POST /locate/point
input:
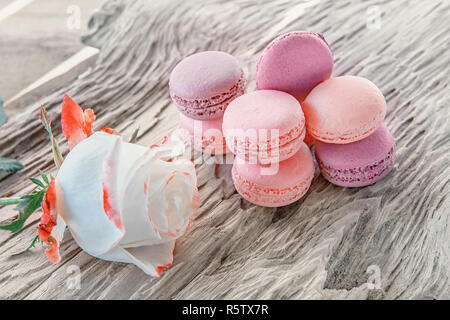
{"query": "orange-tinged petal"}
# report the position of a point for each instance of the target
(76, 124)
(89, 118)
(160, 269)
(72, 121)
(48, 222)
(52, 253)
(111, 203)
(107, 130)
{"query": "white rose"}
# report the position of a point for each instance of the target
(125, 202)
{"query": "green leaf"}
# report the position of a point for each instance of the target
(37, 182)
(27, 205)
(10, 165)
(134, 136)
(45, 178)
(3, 116)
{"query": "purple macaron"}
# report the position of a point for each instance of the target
(295, 63)
(360, 163)
(203, 84)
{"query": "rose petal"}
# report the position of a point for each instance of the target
(95, 193)
(111, 201)
(140, 228)
(76, 124)
(48, 222)
(171, 147)
(89, 118)
(81, 204)
(151, 226)
(175, 187)
(151, 259)
(59, 229)
(107, 130)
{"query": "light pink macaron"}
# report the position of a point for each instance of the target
(278, 184)
(264, 126)
(295, 63)
(205, 136)
(344, 109)
(203, 84)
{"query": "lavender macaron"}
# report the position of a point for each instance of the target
(359, 163)
(203, 84)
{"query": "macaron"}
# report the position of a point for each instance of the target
(357, 164)
(309, 140)
(278, 184)
(203, 84)
(295, 63)
(344, 110)
(264, 126)
(205, 136)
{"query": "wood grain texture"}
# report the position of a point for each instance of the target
(319, 247)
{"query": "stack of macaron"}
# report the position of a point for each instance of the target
(297, 105)
(201, 86)
(265, 129)
(345, 116)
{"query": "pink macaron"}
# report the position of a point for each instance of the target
(309, 140)
(205, 136)
(294, 63)
(344, 110)
(202, 85)
(264, 126)
(278, 184)
(360, 163)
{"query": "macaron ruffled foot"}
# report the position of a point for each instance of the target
(360, 163)
(277, 184)
(203, 84)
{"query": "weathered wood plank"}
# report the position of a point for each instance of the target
(319, 247)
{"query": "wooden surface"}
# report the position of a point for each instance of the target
(324, 246)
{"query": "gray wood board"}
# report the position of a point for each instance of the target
(328, 244)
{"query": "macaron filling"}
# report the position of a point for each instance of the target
(369, 173)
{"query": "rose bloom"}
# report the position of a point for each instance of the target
(121, 201)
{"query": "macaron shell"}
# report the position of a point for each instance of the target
(359, 163)
(264, 109)
(344, 110)
(309, 140)
(249, 121)
(276, 185)
(202, 85)
(295, 63)
(204, 75)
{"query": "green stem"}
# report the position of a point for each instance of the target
(7, 201)
(33, 243)
(55, 149)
